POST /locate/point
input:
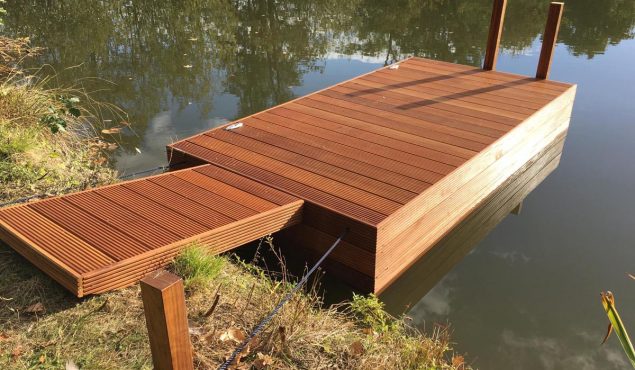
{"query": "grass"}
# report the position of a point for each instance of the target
(33, 158)
(197, 267)
(43, 327)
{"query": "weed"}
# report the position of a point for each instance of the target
(197, 266)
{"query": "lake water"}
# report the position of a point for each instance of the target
(526, 297)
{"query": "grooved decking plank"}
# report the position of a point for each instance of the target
(324, 169)
(335, 159)
(276, 125)
(425, 97)
(325, 199)
(446, 153)
(363, 198)
(93, 231)
(74, 252)
(437, 157)
(414, 124)
(428, 81)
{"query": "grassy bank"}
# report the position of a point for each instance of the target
(43, 327)
(48, 140)
(48, 146)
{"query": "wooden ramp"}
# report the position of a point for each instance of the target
(400, 156)
(110, 237)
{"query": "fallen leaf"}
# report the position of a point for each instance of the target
(458, 361)
(187, 66)
(234, 334)
(3, 337)
(112, 146)
(70, 365)
(42, 359)
(193, 39)
(17, 352)
(35, 308)
(394, 66)
(262, 361)
(111, 131)
(356, 348)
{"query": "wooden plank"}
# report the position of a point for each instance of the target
(342, 175)
(497, 94)
(404, 251)
(425, 273)
(549, 39)
(439, 220)
(541, 123)
(308, 178)
(166, 319)
(494, 35)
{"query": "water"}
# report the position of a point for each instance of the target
(526, 297)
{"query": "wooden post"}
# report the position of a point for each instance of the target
(166, 319)
(549, 39)
(494, 37)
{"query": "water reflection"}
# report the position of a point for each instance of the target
(251, 54)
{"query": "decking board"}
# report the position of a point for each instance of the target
(110, 237)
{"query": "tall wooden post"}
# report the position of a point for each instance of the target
(494, 37)
(549, 39)
(166, 319)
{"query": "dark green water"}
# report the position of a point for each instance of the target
(527, 297)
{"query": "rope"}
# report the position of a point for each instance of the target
(282, 302)
(162, 168)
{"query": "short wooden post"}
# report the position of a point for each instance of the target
(166, 319)
(494, 37)
(549, 39)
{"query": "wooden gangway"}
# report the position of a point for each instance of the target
(106, 238)
(400, 156)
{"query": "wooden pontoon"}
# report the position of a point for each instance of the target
(401, 157)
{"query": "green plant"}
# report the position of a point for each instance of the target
(197, 266)
(3, 11)
(616, 324)
(56, 119)
(369, 311)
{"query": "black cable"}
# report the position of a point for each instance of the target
(282, 302)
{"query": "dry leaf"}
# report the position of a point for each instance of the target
(3, 337)
(70, 365)
(188, 66)
(111, 146)
(35, 308)
(394, 66)
(458, 361)
(42, 359)
(17, 352)
(356, 348)
(262, 361)
(111, 131)
(234, 334)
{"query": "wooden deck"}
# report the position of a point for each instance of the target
(101, 239)
(400, 155)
